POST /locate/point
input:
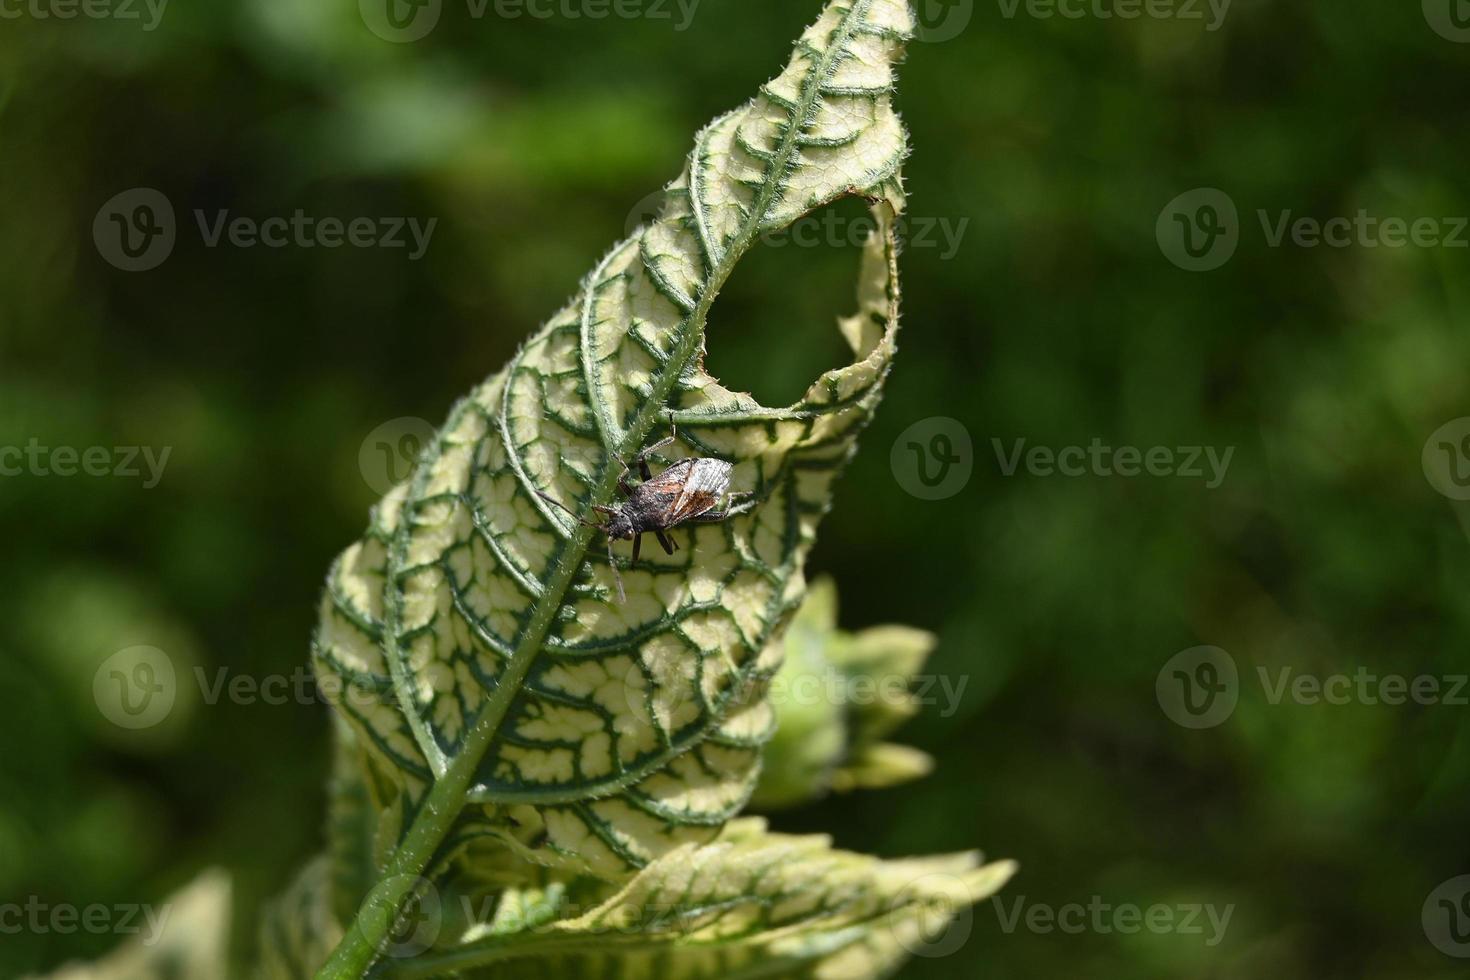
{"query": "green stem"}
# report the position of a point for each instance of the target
(445, 800)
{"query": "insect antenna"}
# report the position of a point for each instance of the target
(570, 513)
(611, 561)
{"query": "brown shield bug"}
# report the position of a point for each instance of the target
(688, 491)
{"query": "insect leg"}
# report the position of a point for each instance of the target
(669, 544)
(647, 451)
(637, 545)
(612, 563)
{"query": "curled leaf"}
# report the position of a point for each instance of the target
(475, 631)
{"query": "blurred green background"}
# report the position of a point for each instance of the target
(1054, 144)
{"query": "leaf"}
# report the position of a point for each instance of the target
(298, 930)
(751, 904)
(187, 936)
(352, 826)
(837, 695)
(484, 658)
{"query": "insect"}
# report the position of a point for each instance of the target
(688, 491)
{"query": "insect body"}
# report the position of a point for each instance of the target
(688, 491)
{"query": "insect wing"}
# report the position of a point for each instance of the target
(703, 485)
(656, 498)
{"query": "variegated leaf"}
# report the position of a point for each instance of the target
(836, 696)
(751, 904)
(476, 628)
(298, 929)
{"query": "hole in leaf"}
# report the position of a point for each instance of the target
(773, 329)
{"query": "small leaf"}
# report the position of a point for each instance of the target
(352, 826)
(187, 936)
(298, 930)
(771, 904)
(485, 656)
(837, 695)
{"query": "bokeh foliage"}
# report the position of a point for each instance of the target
(1058, 320)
